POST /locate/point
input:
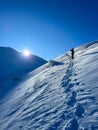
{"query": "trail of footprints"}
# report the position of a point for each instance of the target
(69, 82)
(75, 109)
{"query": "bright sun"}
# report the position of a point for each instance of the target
(26, 53)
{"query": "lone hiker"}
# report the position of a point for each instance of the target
(72, 53)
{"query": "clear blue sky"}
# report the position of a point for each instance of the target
(48, 28)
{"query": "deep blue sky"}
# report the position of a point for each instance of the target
(48, 28)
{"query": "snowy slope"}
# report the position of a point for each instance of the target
(63, 96)
(13, 65)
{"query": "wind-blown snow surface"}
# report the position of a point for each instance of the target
(59, 97)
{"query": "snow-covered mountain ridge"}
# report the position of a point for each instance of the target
(14, 65)
(12, 60)
(59, 96)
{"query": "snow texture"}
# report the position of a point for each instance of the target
(58, 96)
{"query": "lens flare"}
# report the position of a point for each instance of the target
(26, 53)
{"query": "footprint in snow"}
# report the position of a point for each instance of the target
(79, 110)
(72, 99)
(68, 87)
(72, 125)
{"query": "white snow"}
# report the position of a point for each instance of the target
(62, 96)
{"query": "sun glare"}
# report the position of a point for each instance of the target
(26, 53)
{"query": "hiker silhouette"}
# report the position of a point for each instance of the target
(72, 53)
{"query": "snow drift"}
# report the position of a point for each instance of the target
(58, 96)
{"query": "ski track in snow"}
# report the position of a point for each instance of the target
(60, 97)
